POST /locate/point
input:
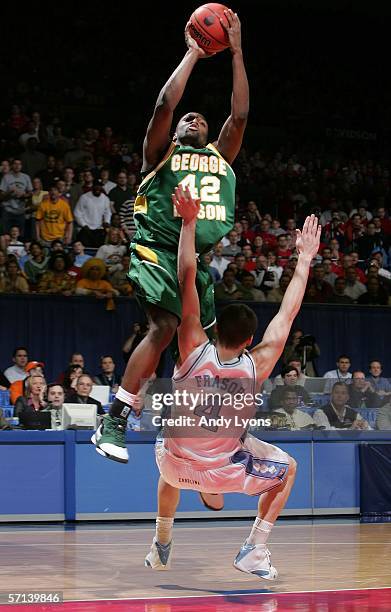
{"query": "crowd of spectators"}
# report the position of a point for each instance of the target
(67, 219)
(344, 399)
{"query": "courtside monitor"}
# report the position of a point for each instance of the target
(83, 416)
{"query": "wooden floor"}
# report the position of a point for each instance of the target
(107, 563)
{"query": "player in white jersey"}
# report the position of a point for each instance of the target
(197, 453)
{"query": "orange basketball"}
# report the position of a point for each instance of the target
(206, 28)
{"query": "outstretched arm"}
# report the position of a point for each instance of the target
(231, 135)
(158, 133)
(270, 348)
(190, 331)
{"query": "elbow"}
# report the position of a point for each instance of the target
(240, 117)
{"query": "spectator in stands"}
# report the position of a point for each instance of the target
(375, 294)
(265, 279)
(339, 296)
(92, 282)
(292, 363)
(341, 374)
(14, 280)
(57, 280)
(228, 289)
(290, 377)
(16, 388)
(112, 251)
(381, 385)
(33, 161)
(369, 241)
(295, 418)
(15, 191)
(12, 244)
(17, 371)
(73, 191)
(276, 294)
(250, 291)
(321, 290)
(354, 289)
(50, 174)
(338, 414)
(121, 193)
(361, 392)
(232, 248)
(108, 375)
(54, 219)
(283, 251)
(37, 263)
(218, 261)
(82, 393)
(32, 398)
(55, 398)
(92, 214)
(70, 378)
(302, 348)
(273, 265)
(107, 184)
(79, 257)
(120, 280)
(329, 276)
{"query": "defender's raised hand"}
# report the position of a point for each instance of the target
(187, 207)
(307, 240)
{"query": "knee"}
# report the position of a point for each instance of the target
(162, 330)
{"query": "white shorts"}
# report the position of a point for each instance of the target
(256, 468)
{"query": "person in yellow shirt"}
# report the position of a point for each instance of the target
(54, 219)
(93, 283)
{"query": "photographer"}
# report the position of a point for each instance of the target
(304, 349)
(265, 279)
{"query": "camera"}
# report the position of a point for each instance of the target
(306, 340)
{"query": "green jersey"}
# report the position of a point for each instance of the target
(208, 176)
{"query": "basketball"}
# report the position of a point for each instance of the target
(206, 28)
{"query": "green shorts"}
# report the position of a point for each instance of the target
(153, 274)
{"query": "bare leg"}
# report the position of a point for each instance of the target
(144, 360)
(168, 499)
(270, 504)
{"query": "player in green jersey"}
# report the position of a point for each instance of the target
(204, 168)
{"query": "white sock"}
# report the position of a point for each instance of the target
(126, 397)
(260, 532)
(164, 529)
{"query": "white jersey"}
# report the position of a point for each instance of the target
(216, 402)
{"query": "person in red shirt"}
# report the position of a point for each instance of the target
(283, 251)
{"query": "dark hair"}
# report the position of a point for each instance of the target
(285, 390)
(19, 348)
(54, 384)
(235, 324)
(340, 384)
(288, 369)
(343, 356)
(67, 375)
(58, 255)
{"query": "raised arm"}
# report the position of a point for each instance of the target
(231, 135)
(270, 348)
(158, 133)
(190, 331)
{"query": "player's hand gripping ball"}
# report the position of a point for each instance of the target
(206, 28)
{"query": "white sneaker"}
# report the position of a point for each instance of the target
(255, 559)
(159, 557)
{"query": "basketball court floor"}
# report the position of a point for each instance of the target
(334, 565)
